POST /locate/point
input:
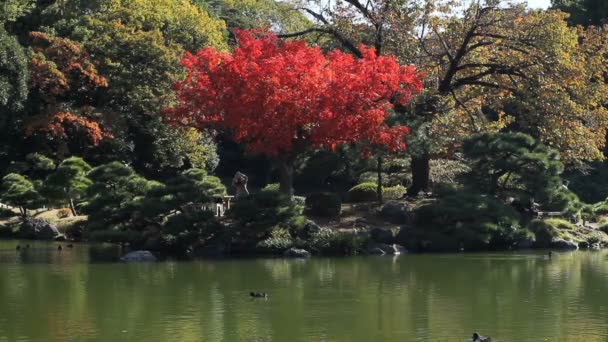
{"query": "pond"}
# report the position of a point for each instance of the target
(76, 295)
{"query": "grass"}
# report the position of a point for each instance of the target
(49, 215)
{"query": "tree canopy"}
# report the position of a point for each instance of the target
(282, 97)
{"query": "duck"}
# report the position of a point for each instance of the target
(258, 294)
(59, 248)
(18, 247)
(27, 246)
(479, 338)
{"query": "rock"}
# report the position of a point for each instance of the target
(583, 245)
(382, 235)
(310, 229)
(563, 244)
(297, 253)
(138, 256)
(525, 243)
(395, 212)
(390, 249)
(39, 229)
(60, 237)
(595, 246)
(361, 223)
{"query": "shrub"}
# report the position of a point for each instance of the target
(279, 241)
(565, 201)
(512, 164)
(272, 187)
(7, 213)
(330, 242)
(325, 204)
(600, 209)
(364, 192)
(299, 201)
(63, 213)
(257, 213)
(394, 192)
(471, 220)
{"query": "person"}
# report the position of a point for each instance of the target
(240, 183)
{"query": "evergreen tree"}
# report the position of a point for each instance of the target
(19, 191)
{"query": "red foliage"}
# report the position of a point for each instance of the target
(58, 125)
(277, 96)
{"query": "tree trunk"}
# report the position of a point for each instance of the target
(379, 180)
(73, 207)
(420, 174)
(286, 175)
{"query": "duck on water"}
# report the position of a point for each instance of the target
(258, 294)
(479, 338)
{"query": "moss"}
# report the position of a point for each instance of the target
(394, 192)
(547, 230)
(364, 192)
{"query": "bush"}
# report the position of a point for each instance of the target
(7, 213)
(394, 192)
(364, 192)
(258, 213)
(279, 241)
(324, 204)
(330, 242)
(272, 187)
(565, 201)
(600, 209)
(471, 220)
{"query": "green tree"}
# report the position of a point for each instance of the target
(69, 182)
(278, 16)
(583, 12)
(19, 191)
(114, 191)
(480, 63)
(191, 187)
(134, 47)
(13, 91)
(513, 164)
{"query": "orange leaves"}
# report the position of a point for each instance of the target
(57, 63)
(59, 124)
(277, 96)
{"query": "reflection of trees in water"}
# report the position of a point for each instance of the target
(509, 296)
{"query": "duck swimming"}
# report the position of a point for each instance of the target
(479, 338)
(258, 294)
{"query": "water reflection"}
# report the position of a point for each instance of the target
(68, 296)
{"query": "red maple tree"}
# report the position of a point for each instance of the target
(282, 97)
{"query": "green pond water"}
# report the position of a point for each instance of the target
(80, 295)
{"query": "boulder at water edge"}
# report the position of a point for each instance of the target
(563, 244)
(395, 212)
(33, 228)
(138, 256)
(297, 253)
